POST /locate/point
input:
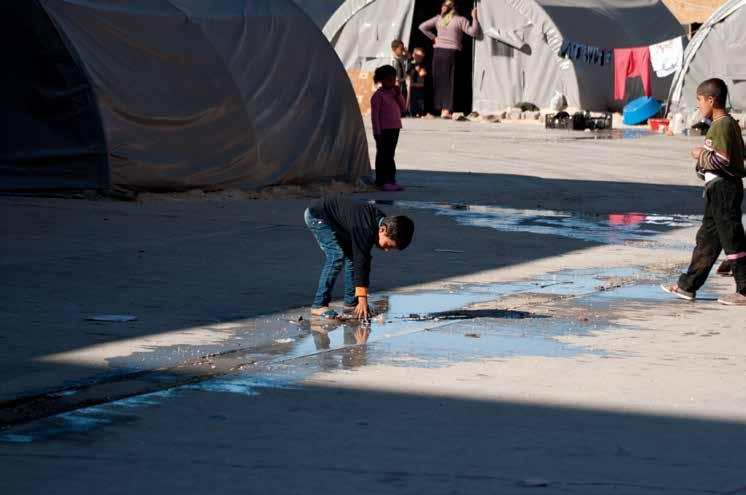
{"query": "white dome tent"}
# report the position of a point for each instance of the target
(718, 49)
(516, 59)
(168, 95)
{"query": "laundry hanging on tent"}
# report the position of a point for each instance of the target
(630, 62)
(585, 53)
(667, 56)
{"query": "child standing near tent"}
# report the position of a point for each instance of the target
(346, 232)
(386, 107)
(416, 74)
(720, 163)
(399, 62)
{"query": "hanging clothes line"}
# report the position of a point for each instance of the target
(585, 53)
(665, 56)
(630, 62)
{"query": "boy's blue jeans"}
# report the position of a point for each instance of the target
(335, 262)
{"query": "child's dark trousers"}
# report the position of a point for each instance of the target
(385, 151)
(721, 230)
(416, 102)
(335, 262)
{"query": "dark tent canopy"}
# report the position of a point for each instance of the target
(173, 95)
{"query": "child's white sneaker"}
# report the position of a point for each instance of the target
(678, 292)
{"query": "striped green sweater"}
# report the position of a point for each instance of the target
(724, 149)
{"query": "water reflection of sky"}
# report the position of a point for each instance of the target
(616, 228)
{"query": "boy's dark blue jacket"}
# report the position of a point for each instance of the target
(356, 228)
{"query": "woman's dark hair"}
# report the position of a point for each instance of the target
(399, 229)
(383, 72)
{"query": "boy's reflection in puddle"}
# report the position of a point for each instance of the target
(350, 353)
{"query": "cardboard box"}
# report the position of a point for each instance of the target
(362, 83)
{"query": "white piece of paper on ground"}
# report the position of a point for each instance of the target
(112, 318)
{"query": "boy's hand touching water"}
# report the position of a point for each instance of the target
(362, 312)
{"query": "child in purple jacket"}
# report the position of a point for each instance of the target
(386, 107)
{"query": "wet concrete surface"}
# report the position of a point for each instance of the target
(421, 329)
(431, 328)
(254, 419)
(257, 421)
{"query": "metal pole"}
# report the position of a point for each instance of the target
(475, 4)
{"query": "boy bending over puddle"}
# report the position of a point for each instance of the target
(346, 232)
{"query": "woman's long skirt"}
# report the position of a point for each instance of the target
(444, 74)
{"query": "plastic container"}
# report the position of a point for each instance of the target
(658, 125)
(678, 124)
(639, 110)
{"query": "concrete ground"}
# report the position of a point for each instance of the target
(563, 368)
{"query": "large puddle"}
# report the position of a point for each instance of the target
(430, 328)
(427, 329)
(617, 228)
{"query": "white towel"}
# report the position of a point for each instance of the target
(666, 56)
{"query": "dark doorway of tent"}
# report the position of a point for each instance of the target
(427, 9)
(56, 138)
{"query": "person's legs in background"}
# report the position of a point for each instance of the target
(382, 159)
(416, 102)
(392, 139)
(385, 164)
(444, 76)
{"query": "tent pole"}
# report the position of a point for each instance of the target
(475, 5)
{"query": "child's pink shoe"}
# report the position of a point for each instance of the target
(392, 187)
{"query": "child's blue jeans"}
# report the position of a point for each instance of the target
(334, 263)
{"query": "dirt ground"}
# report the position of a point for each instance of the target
(523, 343)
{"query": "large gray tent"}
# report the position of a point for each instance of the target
(718, 49)
(516, 59)
(173, 95)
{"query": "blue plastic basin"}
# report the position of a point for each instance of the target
(639, 110)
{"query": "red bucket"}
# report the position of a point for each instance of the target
(658, 125)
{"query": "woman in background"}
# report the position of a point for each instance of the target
(450, 28)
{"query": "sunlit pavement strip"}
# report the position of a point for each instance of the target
(402, 336)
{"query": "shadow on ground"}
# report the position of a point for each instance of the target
(182, 264)
(334, 440)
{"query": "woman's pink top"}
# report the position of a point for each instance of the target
(450, 36)
(386, 107)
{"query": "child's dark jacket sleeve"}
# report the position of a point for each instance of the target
(401, 102)
(362, 243)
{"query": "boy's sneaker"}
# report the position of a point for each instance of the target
(392, 187)
(678, 292)
(733, 300)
